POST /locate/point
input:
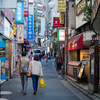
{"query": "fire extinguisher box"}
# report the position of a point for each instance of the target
(59, 63)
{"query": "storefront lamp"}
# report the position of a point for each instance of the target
(51, 4)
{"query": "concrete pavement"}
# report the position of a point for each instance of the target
(57, 88)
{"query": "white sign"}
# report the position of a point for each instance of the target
(1, 24)
(6, 28)
(61, 35)
(8, 4)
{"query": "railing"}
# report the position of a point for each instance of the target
(95, 9)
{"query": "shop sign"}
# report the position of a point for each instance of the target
(84, 62)
(6, 28)
(26, 7)
(19, 18)
(1, 24)
(56, 22)
(61, 35)
(61, 18)
(8, 4)
(30, 28)
(14, 26)
(61, 5)
(20, 35)
(11, 33)
(80, 6)
(0, 72)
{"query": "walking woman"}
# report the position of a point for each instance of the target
(46, 58)
(35, 68)
(24, 60)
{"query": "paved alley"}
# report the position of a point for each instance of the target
(56, 87)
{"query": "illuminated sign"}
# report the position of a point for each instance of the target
(61, 35)
(19, 18)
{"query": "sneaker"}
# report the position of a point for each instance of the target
(24, 93)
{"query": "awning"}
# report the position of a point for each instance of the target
(27, 42)
(75, 43)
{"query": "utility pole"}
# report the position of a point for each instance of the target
(66, 36)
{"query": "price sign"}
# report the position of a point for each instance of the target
(84, 62)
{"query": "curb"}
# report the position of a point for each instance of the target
(85, 92)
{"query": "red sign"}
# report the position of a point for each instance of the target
(59, 60)
(56, 22)
(25, 13)
(26, 8)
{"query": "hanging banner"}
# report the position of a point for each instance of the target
(30, 28)
(8, 4)
(61, 35)
(19, 16)
(26, 7)
(61, 5)
(20, 35)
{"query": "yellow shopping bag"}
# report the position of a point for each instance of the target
(42, 83)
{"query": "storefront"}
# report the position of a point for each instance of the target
(78, 52)
(4, 48)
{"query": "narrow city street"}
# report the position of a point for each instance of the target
(56, 87)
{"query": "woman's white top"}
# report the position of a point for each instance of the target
(36, 68)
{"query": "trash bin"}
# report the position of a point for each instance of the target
(59, 63)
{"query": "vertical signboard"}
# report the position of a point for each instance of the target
(6, 28)
(25, 7)
(19, 16)
(61, 5)
(61, 35)
(30, 28)
(20, 35)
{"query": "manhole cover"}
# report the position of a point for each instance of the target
(3, 99)
(6, 92)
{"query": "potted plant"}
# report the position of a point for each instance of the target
(55, 48)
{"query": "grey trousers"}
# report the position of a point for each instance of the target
(24, 80)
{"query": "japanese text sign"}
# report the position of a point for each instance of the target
(30, 28)
(26, 7)
(61, 5)
(20, 35)
(56, 22)
(19, 17)
(61, 35)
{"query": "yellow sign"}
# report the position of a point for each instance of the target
(14, 26)
(61, 5)
(61, 18)
(11, 34)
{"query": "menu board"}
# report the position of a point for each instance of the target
(75, 63)
(81, 71)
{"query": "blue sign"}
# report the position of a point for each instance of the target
(19, 13)
(30, 28)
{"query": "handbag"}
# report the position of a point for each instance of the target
(29, 73)
(42, 83)
(24, 68)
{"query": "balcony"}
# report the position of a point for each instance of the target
(96, 17)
